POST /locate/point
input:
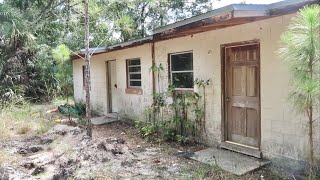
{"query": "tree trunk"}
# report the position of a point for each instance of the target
(311, 152)
(310, 116)
(87, 75)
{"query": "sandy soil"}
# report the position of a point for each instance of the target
(116, 151)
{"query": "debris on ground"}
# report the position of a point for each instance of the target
(76, 110)
(28, 165)
(183, 154)
(26, 150)
(46, 141)
(52, 111)
(38, 170)
(68, 120)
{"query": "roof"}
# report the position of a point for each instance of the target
(124, 44)
(240, 10)
(227, 16)
(99, 50)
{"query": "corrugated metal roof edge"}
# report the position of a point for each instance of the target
(232, 7)
(103, 49)
(99, 50)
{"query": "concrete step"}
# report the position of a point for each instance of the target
(112, 115)
(251, 151)
(103, 120)
(230, 161)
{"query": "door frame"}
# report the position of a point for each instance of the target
(243, 149)
(108, 84)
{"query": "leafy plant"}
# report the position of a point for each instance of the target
(182, 139)
(200, 109)
(169, 133)
(61, 54)
(148, 131)
(180, 126)
(149, 114)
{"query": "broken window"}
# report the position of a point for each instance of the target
(181, 70)
(134, 73)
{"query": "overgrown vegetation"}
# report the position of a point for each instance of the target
(27, 119)
(301, 51)
(182, 120)
(35, 34)
(33, 119)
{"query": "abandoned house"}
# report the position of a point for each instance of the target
(235, 48)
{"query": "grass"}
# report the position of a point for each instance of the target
(215, 172)
(45, 126)
(3, 157)
(97, 173)
(202, 172)
(6, 158)
(205, 171)
(27, 119)
(23, 128)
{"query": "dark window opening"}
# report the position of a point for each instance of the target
(181, 70)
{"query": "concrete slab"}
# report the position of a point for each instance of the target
(112, 115)
(103, 120)
(233, 162)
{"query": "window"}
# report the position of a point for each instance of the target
(181, 70)
(134, 73)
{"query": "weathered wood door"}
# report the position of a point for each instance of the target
(242, 94)
(112, 86)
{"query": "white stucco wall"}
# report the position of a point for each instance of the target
(283, 133)
(130, 105)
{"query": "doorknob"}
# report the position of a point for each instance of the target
(227, 99)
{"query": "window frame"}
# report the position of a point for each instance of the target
(187, 71)
(130, 73)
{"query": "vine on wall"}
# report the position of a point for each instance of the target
(181, 120)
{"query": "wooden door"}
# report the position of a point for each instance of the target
(242, 94)
(112, 86)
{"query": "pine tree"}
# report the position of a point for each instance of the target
(301, 51)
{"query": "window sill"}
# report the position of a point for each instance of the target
(180, 91)
(134, 91)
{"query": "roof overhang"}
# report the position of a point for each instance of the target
(100, 50)
(231, 15)
(227, 16)
(220, 14)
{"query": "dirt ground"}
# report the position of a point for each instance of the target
(116, 151)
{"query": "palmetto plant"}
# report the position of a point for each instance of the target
(16, 30)
(301, 51)
(26, 62)
(14, 38)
